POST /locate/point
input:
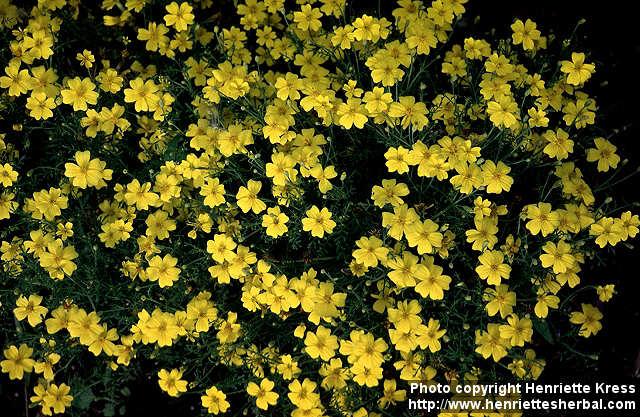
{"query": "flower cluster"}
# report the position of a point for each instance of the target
(293, 207)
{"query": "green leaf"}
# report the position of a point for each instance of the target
(84, 399)
(543, 328)
(109, 410)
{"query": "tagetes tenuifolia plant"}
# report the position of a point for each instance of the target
(292, 209)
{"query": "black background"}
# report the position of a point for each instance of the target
(610, 34)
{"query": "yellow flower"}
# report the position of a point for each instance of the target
(343, 36)
(16, 80)
(40, 105)
(46, 368)
(303, 395)
(281, 169)
(334, 374)
(263, 393)
(30, 309)
(557, 256)
(492, 267)
(541, 219)
(247, 197)
(318, 222)
(397, 160)
(321, 344)
(537, 117)
(83, 326)
(180, 16)
(87, 172)
(422, 38)
(413, 113)
(103, 341)
(364, 375)
(366, 28)
(275, 222)
(49, 203)
(544, 302)
(424, 236)
(499, 65)
(490, 343)
(629, 224)
(589, 320)
(288, 87)
(57, 397)
(608, 231)
(605, 292)
(159, 224)
(202, 312)
(429, 336)
(213, 192)
(288, 367)
(352, 113)
(39, 44)
(499, 300)
(323, 176)
(110, 80)
(79, 93)
(370, 251)
(155, 35)
(559, 146)
(58, 259)
(17, 361)
(7, 175)
(484, 235)
(390, 394)
(525, 34)
(406, 270)
(140, 195)
(604, 154)
(171, 382)
(161, 328)
(144, 95)
(308, 18)
(384, 70)
(163, 270)
(40, 390)
(86, 58)
(234, 139)
(44, 81)
(229, 331)
(503, 112)
(476, 48)
(221, 248)
(518, 331)
(578, 72)
(496, 178)
(215, 401)
(435, 283)
(391, 192)
(377, 100)
(399, 222)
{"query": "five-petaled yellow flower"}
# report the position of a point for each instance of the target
(318, 222)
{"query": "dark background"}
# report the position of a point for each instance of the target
(610, 34)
